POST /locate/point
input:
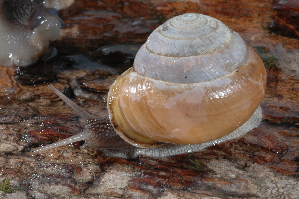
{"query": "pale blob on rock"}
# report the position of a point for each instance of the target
(58, 4)
(26, 28)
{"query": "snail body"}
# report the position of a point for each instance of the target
(99, 134)
(26, 28)
(194, 83)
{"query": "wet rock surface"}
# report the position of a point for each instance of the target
(262, 164)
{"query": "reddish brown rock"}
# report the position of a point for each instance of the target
(7, 82)
(286, 18)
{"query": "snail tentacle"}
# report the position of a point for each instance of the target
(84, 114)
(75, 138)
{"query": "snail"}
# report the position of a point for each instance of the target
(27, 26)
(193, 84)
(58, 4)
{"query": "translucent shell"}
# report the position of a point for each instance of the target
(187, 88)
(191, 48)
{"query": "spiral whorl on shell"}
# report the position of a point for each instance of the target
(193, 81)
(191, 48)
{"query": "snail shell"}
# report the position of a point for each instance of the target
(194, 83)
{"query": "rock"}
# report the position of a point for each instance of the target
(261, 164)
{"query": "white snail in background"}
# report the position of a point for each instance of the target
(58, 4)
(194, 83)
(26, 27)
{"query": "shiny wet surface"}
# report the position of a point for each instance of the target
(263, 163)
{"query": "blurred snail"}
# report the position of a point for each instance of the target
(194, 83)
(26, 28)
(58, 4)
